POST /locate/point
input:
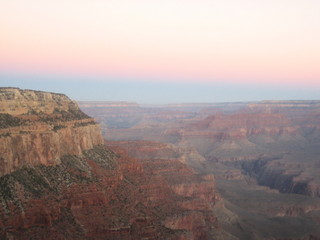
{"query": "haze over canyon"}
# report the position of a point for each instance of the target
(244, 170)
(169, 120)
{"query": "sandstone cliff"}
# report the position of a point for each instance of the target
(59, 181)
(108, 194)
(15, 101)
(40, 127)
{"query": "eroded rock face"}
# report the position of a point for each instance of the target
(59, 182)
(15, 101)
(40, 127)
(108, 194)
(185, 200)
(245, 145)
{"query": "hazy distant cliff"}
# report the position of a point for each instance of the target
(40, 127)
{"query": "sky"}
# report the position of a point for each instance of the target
(152, 51)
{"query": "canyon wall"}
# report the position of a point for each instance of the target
(264, 156)
(60, 180)
(39, 128)
(107, 193)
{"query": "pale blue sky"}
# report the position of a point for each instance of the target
(83, 88)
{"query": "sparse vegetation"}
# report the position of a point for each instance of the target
(39, 180)
(5, 135)
(7, 120)
(71, 114)
(58, 127)
(105, 158)
(24, 132)
(83, 124)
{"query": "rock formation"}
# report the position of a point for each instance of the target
(59, 180)
(200, 180)
(264, 156)
(40, 127)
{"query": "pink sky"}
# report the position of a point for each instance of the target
(232, 40)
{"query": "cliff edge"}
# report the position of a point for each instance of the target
(40, 127)
(60, 180)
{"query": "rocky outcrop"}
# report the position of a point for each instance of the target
(40, 127)
(59, 181)
(15, 101)
(108, 194)
(41, 201)
(185, 199)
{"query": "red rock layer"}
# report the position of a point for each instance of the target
(184, 199)
(108, 195)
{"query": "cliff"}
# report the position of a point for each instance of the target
(107, 193)
(182, 199)
(59, 180)
(40, 127)
(17, 102)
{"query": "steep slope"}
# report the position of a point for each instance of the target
(39, 128)
(106, 194)
(60, 181)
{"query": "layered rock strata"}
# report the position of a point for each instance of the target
(108, 194)
(184, 200)
(59, 182)
(39, 128)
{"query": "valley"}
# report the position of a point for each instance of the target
(264, 156)
(118, 170)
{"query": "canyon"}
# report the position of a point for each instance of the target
(264, 156)
(120, 170)
(61, 180)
